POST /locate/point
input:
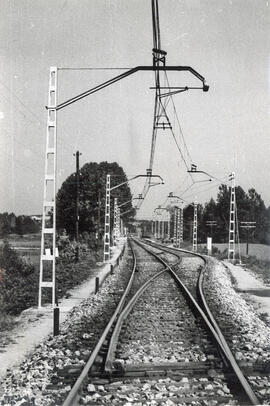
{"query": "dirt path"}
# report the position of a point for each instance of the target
(36, 324)
(257, 291)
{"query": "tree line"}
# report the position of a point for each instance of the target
(11, 224)
(250, 207)
(92, 186)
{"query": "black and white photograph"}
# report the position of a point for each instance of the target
(135, 202)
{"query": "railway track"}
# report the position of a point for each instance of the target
(160, 345)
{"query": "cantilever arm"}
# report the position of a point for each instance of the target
(135, 177)
(128, 73)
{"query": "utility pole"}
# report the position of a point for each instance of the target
(231, 248)
(77, 155)
(99, 204)
(247, 225)
(211, 224)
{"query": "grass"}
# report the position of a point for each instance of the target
(7, 324)
(27, 241)
(27, 246)
(261, 251)
(259, 267)
(19, 294)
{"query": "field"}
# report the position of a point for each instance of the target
(260, 251)
(27, 246)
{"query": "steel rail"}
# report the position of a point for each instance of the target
(194, 303)
(113, 342)
(114, 338)
(72, 398)
(217, 332)
(252, 397)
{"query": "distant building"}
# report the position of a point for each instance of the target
(38, 217)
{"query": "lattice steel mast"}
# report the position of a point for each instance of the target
(231, 247)
(195, 227)
(48, 231)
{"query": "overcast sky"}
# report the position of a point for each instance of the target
(226, 129)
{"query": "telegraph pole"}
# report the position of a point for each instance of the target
(211, 224)
(77, 155)
(247, 225)
(99, 204)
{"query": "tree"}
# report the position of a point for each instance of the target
(92, 188)
(7, 223)
(250, 207)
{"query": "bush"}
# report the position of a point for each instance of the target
(258, 266)
(19, 282)
(68, 249)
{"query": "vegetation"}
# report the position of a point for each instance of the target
(18, 286)
(91, 198)
(9, 224)
(19, 278)
(250, 207)
(259, 267)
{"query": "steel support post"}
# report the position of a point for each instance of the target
(107, 221)
(115, 222)
(118, 223)
(48, 231)
(175, 227)
(195, 226)
(231, 246)
(169, 226)
(181, 225)
(178, 227)
(162, 229)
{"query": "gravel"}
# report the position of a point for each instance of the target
(162, 328)
(163, 392)
(45, 378)
(247, 334)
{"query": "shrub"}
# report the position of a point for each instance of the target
(68, 249)
(19, 283)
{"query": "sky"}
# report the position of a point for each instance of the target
(224, 130)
